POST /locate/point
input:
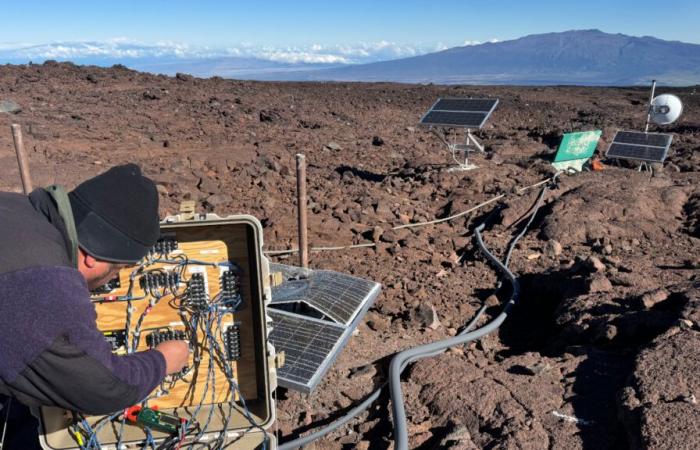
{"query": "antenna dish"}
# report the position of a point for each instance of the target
(665, 109)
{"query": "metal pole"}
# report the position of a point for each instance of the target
(653, 88)
(22, 160)
(301, 211)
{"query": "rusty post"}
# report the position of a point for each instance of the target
(301, 213)
(22, 160)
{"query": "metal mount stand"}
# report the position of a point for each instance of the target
(651, 99)
(647, 168)
(470, 143)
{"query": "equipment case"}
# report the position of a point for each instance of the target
(238, 239)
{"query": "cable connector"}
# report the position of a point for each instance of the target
(154, 419)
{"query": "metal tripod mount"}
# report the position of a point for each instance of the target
(470, 143)
(643, 166)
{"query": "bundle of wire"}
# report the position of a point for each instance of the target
(207, 320)
(401, 360)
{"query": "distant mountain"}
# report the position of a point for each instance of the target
(586, 57)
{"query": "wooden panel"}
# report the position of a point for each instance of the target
(235, 239)
(165, 314)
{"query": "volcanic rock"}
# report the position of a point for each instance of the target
(219, 199)
(427, 316)
(377, 141)
(10, 107)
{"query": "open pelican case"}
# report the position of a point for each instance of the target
(239, 240)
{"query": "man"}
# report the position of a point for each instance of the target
(54, 249)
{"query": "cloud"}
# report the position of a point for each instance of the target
(122, 48)
(468, 42)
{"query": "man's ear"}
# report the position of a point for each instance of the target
(89, 261)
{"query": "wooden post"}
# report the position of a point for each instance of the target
(301, 211)
(22, 160)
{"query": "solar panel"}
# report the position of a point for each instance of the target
(651, 147)
(335, 295)
(454, 119)
(465, 104)
(624, 151)
(639, 138)
(307, 344)
(314, 313)
(460, 112)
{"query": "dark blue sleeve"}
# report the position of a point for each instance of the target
(51, 352)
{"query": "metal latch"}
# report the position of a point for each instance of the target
(187, 210)
(276, 279)
(279, 359)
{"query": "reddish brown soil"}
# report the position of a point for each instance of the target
(607, 330)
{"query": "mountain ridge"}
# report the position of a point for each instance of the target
(570, 57)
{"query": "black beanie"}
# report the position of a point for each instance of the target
(116, 214)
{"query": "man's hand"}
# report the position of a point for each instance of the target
(176, 354)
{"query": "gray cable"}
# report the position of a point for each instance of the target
(403, 359)
(538, 203)
(400, 360)
(397, 405)
(424, 352)
(356, 411)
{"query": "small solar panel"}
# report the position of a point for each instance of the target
(307, 345)
(314, 313)
(624, 151)
(454, 119)
(651, 147)
(465, 104)
(459, 112)
(647, 139)
(337, 296)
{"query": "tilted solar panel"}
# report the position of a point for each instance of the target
(459, 112)
(639, 138)
(634, 145)
(307, 345)
(314, 313)
(336, 295)
(465, 104)
(455, 119)
(641, 153)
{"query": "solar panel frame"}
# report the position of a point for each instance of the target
(453, 119)
(336, 295)
(310, 347)
(636, 145)
(636, 152)
(484, 106)
(645, 139)
(289, 374)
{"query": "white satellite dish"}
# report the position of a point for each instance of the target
(665, 109)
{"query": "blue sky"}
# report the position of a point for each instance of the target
(399, 28)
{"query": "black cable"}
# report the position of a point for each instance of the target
(435, 348)
(7, 418)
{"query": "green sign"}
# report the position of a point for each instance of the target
(579, 145)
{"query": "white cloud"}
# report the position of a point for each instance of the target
(468, 42)
(123, 48)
